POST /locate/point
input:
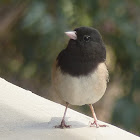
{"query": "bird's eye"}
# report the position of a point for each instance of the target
(86, 38)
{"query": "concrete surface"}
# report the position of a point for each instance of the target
(26, 116)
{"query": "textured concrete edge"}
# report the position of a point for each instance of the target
(3, 82)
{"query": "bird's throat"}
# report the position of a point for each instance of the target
(77, 65)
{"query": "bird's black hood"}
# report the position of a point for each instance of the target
(81, 57)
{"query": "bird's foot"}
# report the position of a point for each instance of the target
(62, 125)
(95, 123)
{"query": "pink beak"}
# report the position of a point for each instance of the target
(71, 34)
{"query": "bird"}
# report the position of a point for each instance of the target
(79, 73)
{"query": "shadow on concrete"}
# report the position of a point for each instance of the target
(52, 123)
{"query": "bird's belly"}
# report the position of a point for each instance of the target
(83, 89)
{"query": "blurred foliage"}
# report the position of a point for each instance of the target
(32, 34)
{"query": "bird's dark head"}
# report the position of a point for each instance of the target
(86, 40)
(83, 53)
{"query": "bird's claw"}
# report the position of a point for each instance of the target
(95, 123)
(62, 125)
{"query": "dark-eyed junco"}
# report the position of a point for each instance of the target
(79, 74)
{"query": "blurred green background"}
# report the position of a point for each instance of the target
(32, 35)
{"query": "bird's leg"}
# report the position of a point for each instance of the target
(63, 125)
(95, 118)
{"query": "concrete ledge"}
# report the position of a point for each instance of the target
(26, 116)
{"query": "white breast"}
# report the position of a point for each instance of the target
(81, 90)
